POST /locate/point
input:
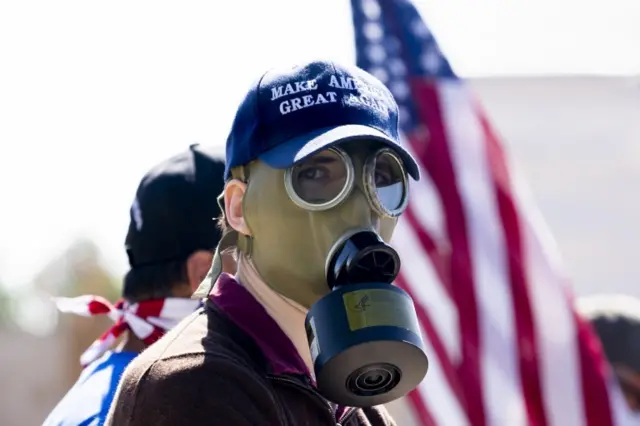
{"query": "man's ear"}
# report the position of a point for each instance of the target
(233, 196)
(198, 266)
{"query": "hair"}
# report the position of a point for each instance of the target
(610, 306)
(615, 319)
(225, 228)
(154, 281)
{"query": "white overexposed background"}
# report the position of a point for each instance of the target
(93, 93)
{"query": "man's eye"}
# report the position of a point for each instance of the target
(312, 173)
(383, 179)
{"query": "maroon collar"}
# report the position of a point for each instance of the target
(250, 316)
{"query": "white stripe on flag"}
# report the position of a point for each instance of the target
(621, 413)
(427, 289)
(430, 213)
(500, 375)
(556, 334)
(443, 404)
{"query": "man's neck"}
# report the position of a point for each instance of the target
(132, 344)
(286, 313)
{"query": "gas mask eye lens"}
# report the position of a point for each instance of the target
(387, 183)
(321, 181)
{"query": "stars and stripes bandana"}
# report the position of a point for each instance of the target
(148, 320)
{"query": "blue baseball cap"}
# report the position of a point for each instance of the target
(291, 113)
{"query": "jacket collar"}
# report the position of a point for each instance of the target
(249, 315)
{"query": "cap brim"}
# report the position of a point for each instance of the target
(297, 149)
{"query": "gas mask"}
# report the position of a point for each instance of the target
(319, 236)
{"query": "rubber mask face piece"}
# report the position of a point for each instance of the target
(290, 244)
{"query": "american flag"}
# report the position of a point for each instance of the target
(505, 344)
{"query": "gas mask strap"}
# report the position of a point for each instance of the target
(243, 242)
(229, 239)
(205, 287)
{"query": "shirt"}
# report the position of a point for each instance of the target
(87, 402)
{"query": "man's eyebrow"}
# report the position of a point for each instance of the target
(322, 160)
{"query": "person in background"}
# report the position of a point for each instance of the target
(616, 321)
(170, 243)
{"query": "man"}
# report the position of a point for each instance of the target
(313, 153)
(172, 235)
(616, 321)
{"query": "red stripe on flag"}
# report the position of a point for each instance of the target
(448, 369)
(436, 159)
(525, 328)
(439, 260)
(422, 412)
(593, 368)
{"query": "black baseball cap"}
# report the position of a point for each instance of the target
(293, 112)
(616, 321)
(175, 210)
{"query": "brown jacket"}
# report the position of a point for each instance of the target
(228, 364)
